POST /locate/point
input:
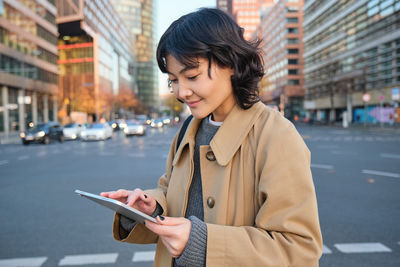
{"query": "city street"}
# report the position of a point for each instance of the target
(44, 223)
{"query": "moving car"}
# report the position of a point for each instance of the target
(158, 123)
(134, 128)
(72, 131)
(97, 131)
(43, 133)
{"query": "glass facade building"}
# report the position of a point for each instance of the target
(96, 59)
(352, 48)
(139, 16)
(28, 63)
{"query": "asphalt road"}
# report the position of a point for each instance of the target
(44, 223)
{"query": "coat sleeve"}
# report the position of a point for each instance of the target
(140, 234)
(286, 230)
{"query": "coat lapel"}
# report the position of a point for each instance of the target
(233, 131)
(229, 136)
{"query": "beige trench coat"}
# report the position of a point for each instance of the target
(256, 170)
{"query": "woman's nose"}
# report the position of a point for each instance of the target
(184, 91)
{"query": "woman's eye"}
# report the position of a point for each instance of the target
(193, 77)
(172, 80)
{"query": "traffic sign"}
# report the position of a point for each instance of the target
(366, 97)
(395, 93)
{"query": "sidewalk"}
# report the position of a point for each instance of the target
(371, 128)
(11, 138)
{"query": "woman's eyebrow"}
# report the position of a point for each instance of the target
(187, 68)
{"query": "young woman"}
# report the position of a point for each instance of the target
(238, 190)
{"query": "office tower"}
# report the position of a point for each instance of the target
(352, 49)
(226, 6)
(282, 33)
(28, 63)
(96, 59)
(139, 16)
(247, 14)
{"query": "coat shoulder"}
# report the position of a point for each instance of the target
(272, 123)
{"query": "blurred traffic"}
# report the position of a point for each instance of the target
(45, 133)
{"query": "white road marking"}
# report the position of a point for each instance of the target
(3, 162)
(322, 166)
(143, 256)
(25, 262)
(23, 157)
(344, 152)
(328, 146)
(391, 156)
(136, 155)
(326, 250)
(89, 259)
(380, 173)
(362, 248)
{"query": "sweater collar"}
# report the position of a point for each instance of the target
(229, 136)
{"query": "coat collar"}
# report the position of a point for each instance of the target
(229, 136)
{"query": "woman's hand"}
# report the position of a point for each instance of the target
(137, 199)
(174, 233)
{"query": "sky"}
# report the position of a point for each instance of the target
(167, 12)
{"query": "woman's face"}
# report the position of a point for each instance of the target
(203, 95)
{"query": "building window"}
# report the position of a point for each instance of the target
(293, 82)
(293, 51)
(293, 71)
(293, 61)
(292, 20)
(292, 9)
(293, 41)
(292, 30)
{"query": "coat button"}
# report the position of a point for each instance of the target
(210, 156)
(210, 202)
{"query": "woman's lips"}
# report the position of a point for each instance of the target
(193, 104)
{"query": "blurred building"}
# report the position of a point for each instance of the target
(96, 59)
(226, 6)
(139, 16)
(247, 13)
(28, 63)
(282, 33)
(352, 48)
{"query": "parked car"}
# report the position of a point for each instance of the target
(158, 123)
(43, 133)
(134, 128)
(121, 124)
(97, 131)
(114, 125)
(167, 120)
(72, 131)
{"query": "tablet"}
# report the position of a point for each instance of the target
(118, 207)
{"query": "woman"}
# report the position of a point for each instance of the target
(238, 190)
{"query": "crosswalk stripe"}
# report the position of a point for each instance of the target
(143, 256)
(326, 250)
(88, 259)
(391, 156)
(362, 248)
(25, 262)
(321, 166)
(380, 173)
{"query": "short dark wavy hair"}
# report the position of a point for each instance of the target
(210, 33)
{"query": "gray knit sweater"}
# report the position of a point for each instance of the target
(194, 254)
